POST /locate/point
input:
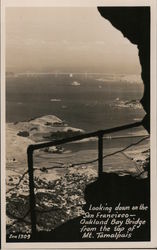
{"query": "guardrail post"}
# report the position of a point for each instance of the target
(100, 155)
(31, 190)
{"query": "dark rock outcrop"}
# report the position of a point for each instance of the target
(23, 133)
(112, 190)
(134, 23)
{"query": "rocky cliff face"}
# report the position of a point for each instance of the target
(134, 23)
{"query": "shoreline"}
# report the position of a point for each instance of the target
(34, 131)
(73, 168)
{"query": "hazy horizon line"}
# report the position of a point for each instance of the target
(72, 73)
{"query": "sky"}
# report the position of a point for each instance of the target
(66, 39)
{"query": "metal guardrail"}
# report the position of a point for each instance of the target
(31, 148)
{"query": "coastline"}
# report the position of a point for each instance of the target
(57, 168)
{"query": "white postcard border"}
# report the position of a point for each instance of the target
(89, 3)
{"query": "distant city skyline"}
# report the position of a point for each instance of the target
(66, 39)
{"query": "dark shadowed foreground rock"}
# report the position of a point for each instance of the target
(112, 191)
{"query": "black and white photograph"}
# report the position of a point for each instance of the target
(78, 161)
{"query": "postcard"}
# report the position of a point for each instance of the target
(78, 127)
